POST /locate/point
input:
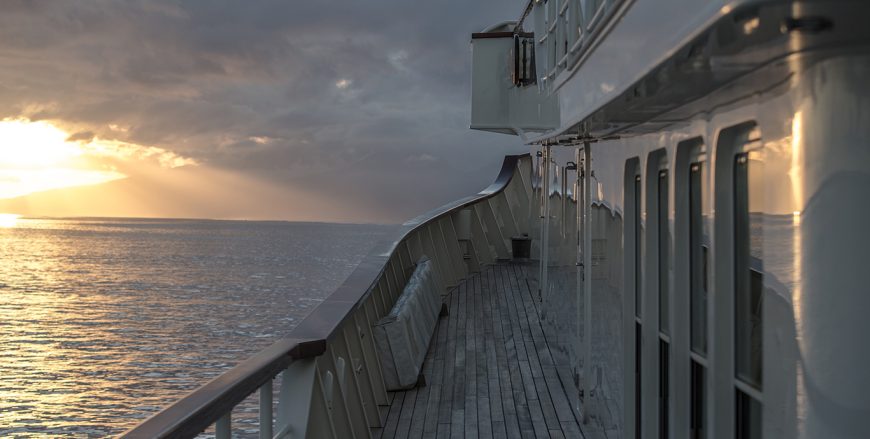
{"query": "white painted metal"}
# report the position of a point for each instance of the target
(646, 33)
(223, 427)
(830, 128)
(454, 251)
(463, 225)
(402, 337)
(371, 364)
(810, 129)
(482, 250)
(295, 399)
(352, 346)
(266, 410)
(813, 158)
(496, 103)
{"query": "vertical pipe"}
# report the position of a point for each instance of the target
(545, 223)
(563, 223)
(587, 284)
(266, 410)
(222, 428)
(542, 248)
(578, 272)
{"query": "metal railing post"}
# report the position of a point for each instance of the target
(295, 398)
(266, 410)
(223, 427)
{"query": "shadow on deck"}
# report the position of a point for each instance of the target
(489, 371)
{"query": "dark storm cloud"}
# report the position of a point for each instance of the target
(366, 100)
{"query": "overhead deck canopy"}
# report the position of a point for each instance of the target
(643, 65)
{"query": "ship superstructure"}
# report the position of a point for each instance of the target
(722, 153)
(680, 255)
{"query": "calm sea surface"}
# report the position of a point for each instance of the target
(105, 321)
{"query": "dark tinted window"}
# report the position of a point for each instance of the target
(697, 261)
(747, 278)
(748, 417)
(664, 382)
(664, 254)
(698, 395)
(637, 379)
(637, 248)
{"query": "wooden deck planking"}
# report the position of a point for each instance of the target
(541, 355)
(509, 410)
(489, 370)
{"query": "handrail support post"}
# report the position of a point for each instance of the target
(294, 399)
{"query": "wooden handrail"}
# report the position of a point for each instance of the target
(198, 410)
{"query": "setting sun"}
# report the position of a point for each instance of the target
(28, 144)
(38, 156)
(8, 220)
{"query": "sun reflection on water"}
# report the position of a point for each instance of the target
(103, 322)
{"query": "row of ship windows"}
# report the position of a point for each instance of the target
(747, 287)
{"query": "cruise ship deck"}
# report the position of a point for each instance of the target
(489, 370)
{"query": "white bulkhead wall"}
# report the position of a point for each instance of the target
(832, 164)
(816, 176)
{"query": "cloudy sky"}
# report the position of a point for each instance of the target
(325, 110)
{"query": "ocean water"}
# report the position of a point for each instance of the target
(105, 321)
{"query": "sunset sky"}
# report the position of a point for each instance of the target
(353, 111)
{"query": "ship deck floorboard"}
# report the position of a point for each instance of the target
(489, 371)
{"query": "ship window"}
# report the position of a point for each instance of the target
(698, 400)
(697, 262)
(633, 274)
(664, 373)
(747, 296)
(747, 411)
(747, 273)
(637, 248)
(663, 244)
(698, 254)
(637, 379)
(663, 248)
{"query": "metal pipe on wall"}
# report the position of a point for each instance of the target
(587, 281)
(545, 222)
(578, 244)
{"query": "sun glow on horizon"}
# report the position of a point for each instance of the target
(37, 156)
(8, 220)
(33, 144)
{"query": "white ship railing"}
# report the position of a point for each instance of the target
(566, 30)
(331, 383)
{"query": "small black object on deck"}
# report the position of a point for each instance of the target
(521, 246)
